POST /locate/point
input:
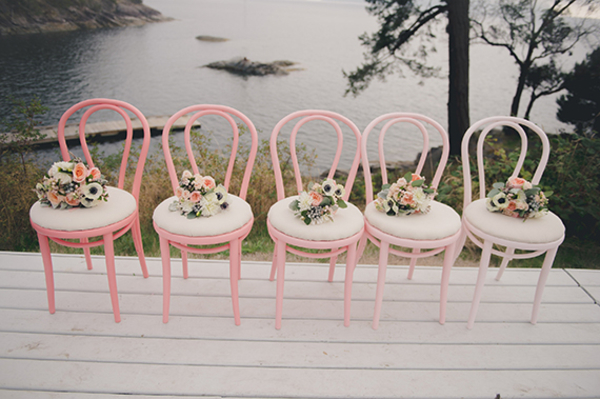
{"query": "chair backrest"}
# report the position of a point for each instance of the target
(336, 121)
(228, 114)
(486, 126)
(421, 122)
(120, 107)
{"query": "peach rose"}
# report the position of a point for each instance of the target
(72, 199)
(195, 196)
(179, 192)
(415, 177)
(407, 198)
(315, 198)
(512, 205)
(55, 199)
(80, 172)
(95, 173)
(516, 182)
(208, 182)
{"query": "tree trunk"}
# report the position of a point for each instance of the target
(514, 107)
(458, 94)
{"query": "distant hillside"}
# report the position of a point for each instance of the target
(31, 16)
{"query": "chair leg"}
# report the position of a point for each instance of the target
(460, 244)
(184, 264)
(165, 253)
(109, 253)
(446, 269)
(413, 263)
(136, 233)
(383, 258)
(274, 263)
(332, 262)
(507, 258)
(548, 261)
(234, 267)
(47, 261)
(280, 248)
(362, 244)
(483, 267)
(350, 266)
(87, 254)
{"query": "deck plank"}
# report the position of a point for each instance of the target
(80, 352)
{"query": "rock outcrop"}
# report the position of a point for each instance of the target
(35, 16)
(245, 67)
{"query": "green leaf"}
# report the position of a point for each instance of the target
(408, 176)
(191, 215)
(532, 191)
(493, 192)
(548, 193)
(306, 221)
(294, 205)
(417, 183)
(326, 201)
(342, 204)
(385, 187)
(499, 186)
(428, 190)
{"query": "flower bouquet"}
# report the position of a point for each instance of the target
(320, 203)
(406, 196)
(199, 196)
(71, 184)
(518, 198)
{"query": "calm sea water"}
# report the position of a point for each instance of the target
(158, 67)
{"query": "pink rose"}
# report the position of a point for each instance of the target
(195, 196)
(179, 192)
(55, 199)
(208, 182)
(516, 182)
(95, 173)
(72, 199)
(80, 172)
(407, 198)
(315, 198)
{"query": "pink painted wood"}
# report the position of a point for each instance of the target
(283, 241)
(384, 240)
(486, 241)
(231, 241)
(113, 231)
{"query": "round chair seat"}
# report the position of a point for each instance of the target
(120, 205)
(440, 222)
(347, 222)
(236, 216)
(548, 228)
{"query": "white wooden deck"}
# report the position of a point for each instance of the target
(80, 352)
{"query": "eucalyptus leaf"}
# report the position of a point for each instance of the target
(294, 205)
(548, 193)
(306, 221)
(532, 191)
(428, 190)
(191, 215)
(326, 201)
(408, 176)
(493, 193)
(342, 204)
(417, 183)
(386, 187)
(499, 186)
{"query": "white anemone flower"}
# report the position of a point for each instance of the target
(340, 191)
(500, 201)
(221, 194)
(92, 191)
(329, 187)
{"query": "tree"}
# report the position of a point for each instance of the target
(581, 105)
(534, 36)
(400, 22)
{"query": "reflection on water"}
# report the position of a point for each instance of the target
(157, 68)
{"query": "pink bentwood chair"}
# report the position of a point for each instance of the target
(227, 228)
(539, 235)
(286, 229)
(436, 231)
(109, 220)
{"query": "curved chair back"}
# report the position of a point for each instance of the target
(422, 123)
(336, 121)
(228, 114)
(121, 108)
(486, 126)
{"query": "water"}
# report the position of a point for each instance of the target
(157, 67)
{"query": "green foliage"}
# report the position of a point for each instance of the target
(19, 175)
(580, 107)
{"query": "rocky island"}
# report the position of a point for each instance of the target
(35, 16)
(245, 67)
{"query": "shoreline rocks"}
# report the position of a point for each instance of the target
(245, 67)
(40, 16)
(207, 38)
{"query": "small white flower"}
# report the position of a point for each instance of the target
(304, 201)
(63, 177)
(92, 191)
(209, 208)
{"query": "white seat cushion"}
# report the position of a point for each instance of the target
(546, 229)
(237, 215)
(440, 222)
(347, 222)
(119, 206)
